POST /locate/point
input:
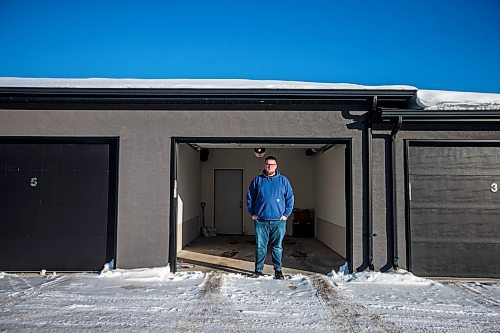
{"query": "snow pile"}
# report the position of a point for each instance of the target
(399, 276)
(455, 100)
(43, 273)
(2, 275)
(147, 274)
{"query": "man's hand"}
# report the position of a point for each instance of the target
(283, 218)
(255, 217)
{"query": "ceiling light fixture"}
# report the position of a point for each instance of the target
(259, 152)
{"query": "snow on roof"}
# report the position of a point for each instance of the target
(184, 84)
(426, 99)
(456, 100)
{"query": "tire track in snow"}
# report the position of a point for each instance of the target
(478, 296)
(15, 280)
(483, 300)
(212, 284)
(31, 292)
(207, 311)
(346, 316)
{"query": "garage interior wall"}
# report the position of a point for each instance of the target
(188, 194)
(318, 182)
(293, 163)
(329, 198)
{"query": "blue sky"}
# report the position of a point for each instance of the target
(449, 45)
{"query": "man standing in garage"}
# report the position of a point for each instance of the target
(270, 203)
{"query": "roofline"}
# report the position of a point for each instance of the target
(209, 91)
(187, 98)
(464, 119)
(440, 114)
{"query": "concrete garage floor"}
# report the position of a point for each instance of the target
(236, 254)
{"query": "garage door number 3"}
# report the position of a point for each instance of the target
(494, 187)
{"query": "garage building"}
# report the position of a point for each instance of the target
(95, 171)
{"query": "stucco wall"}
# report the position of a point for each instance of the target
(381, 218)
(144, 165)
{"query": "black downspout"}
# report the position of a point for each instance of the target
(395, 261)
(369, 193)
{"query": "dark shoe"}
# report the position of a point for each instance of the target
(278, 275)
(257, 274)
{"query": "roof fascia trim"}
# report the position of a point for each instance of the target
(439, 114)
(210, 92)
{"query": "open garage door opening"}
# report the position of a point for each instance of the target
(213, 229)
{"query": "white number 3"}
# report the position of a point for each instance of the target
(494, 187)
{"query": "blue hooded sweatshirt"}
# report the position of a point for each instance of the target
(270, 197)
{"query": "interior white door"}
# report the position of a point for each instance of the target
(228, 214)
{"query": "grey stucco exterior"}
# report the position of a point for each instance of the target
(144, 159)
(145, 138)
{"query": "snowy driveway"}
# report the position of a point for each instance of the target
(155, 300)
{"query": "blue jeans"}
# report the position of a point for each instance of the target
(265, 231)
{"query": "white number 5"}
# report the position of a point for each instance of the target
(33, 182)
(494, 187)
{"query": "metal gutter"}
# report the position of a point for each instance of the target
(438, 114)
(140, 98)
(395, 94)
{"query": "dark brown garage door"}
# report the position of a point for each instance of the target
(454, 205)
(56, 205)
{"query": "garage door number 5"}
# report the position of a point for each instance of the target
(494, 187)
(34, 182)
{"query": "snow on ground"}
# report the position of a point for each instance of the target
(158, 301)
(416, 304)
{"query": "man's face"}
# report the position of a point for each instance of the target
(270, 167)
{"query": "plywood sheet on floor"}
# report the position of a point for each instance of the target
(236, 253)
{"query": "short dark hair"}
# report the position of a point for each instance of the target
(271, 157)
